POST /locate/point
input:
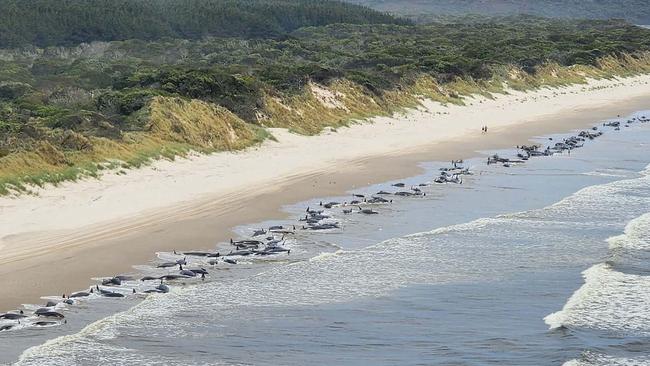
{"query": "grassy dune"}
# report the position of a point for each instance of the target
(175, 126)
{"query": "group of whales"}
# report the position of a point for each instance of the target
(272, 240)
(261, 242)
(567, 144)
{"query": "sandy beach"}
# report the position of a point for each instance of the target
(53, 242)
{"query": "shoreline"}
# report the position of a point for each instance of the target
(103, 227)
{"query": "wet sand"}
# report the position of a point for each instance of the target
(35, 264)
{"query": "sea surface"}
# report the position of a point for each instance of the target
(542, 263)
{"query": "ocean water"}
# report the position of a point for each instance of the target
(545, 263)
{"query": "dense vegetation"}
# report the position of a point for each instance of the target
(62, 110)
(635, 11)
(70, 22)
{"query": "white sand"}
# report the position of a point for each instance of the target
(165, 185)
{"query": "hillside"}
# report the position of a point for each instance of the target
(67, 112)
(634, 11)
(69, 22)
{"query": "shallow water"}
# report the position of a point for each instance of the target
(542, 263)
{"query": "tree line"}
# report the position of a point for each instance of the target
(69, 22)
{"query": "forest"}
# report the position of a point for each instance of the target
(69, 22)
(117, 78)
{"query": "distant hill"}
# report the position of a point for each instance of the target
(635, 11)
(69, 22)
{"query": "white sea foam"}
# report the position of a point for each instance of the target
(608, 173)
(597, 359)
(327, 255)
(609, 301)
(636, 236)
